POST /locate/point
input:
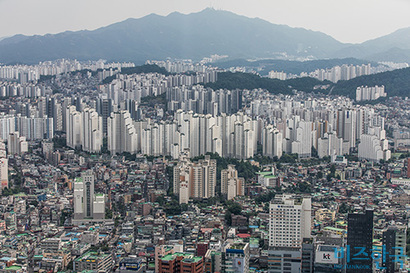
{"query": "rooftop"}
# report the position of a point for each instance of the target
(192, 260)
(237, 246)
(13, 267)
(91, 256)
(78, 179)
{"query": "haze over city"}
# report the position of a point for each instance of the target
(349, 21)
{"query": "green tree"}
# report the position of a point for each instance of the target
(333, 170)
(234, 207)
(228, 218)
(108, 213)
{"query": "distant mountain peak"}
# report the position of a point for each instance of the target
(196, 35)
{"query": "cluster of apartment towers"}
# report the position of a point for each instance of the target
(197, 180)
(235, 135)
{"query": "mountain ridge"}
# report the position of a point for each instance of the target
(194, 36)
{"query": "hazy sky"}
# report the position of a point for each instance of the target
(346, 20)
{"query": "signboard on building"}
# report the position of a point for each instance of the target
(326, 255)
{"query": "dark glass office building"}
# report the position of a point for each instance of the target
(360, 241)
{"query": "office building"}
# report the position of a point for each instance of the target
(88, 206)
(282, 259)
(394, 241)
(360, 235)
(236, 257)
(131, 265)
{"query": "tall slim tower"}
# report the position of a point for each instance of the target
(360, 235)
(394, 242)
(92, 135)
(74, 127)
(4, 173)
(4, 167)
(88, 193)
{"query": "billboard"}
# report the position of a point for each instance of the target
(326, 255)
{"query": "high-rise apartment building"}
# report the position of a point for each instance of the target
(329, 145)
(104, 109)
(16, 144)
(374, 146)
(74, 127)
(231, 184)
(289, 221)
(122, 136)
(204, 178)
(272, 142)
(370, 93)
(408, 167)
(195, 179)
(84, 129)
(92, 128)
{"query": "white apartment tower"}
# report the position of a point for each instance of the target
(374, 146)
(87, 204)
(272, 142)
(92, 128)
(289, 221)
(231, 184)
(74, 127)
(370, 93)
(122, 136)
(84, 129)
(329, 145)
(16, 144)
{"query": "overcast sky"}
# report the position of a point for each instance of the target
(351, 21)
